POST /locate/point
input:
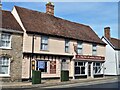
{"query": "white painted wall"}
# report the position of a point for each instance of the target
(110, 60)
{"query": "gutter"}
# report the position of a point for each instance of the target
(11, 30)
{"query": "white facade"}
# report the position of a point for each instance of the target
(112, 62)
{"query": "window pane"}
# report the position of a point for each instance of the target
(4, 64)
(95, 69)
(3, 44)
(66, 42)
(94, 48)
(82, 70)
(7, 44)
(4, 70)
(75, 63)
(97, 64)
(94, 52)
(80, 63)
(66, 49)
(79, 44)
(77, 70)
(5, 40)
(79, 50)
(45, 47)
(44, 43)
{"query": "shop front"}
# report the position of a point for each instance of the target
(49, 65)
(88, 66)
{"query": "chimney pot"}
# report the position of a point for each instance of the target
(107, 32)
(50, 8)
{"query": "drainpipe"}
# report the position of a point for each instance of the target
(31, 56)
(116, 63)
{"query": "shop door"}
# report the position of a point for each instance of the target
(89, 69)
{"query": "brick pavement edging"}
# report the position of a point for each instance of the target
(29, 85)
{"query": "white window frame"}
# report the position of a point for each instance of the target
(79, 47)
(4, 47)
(42, 43)
(67, 45)
(94, 49)
(6, 75)
(80, 66)
(94, 66)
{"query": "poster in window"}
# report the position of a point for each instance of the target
(52, 67)
(41, 64)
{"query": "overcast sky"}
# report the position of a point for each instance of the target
(95, 14)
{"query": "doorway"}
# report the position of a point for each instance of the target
(89, 69)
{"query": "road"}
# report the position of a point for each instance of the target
(95, 85)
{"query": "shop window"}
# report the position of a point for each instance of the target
(5, 40)
(4, 66)
(79, 47)
(97, 67)
(41, 65)
(80, 68)
(44, 43)
(67, 45)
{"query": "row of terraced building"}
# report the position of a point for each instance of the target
(32, 40)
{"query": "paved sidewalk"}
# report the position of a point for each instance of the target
(48, 83)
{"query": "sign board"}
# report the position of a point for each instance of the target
(87, 57)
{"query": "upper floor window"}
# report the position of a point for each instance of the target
(44, 43)
(94, 49)
(5, 40)
(79, 47)
(4, 66)
(67, 45)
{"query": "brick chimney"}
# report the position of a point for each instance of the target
(107, 32)
(50, 8)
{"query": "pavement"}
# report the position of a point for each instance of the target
(48, 83)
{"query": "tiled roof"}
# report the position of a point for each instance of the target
(8, 21)
(43, 23)
(116, 43)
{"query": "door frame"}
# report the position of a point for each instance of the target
(89, 69)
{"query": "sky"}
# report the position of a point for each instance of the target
(95, 14)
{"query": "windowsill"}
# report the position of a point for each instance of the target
(44, 72)
(80, 54)
(67, 52)
(5, 48)
(79, 74)
(94, 55)
(44, 50)
(97, 73)
(3, 75)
